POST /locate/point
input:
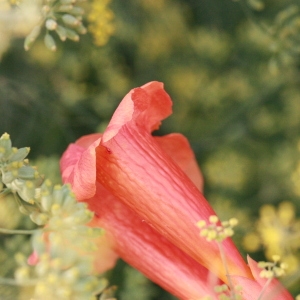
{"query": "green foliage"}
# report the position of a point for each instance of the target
(63, 248)
(135, 285)
(61, 16)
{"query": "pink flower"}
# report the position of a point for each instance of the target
(130, 237)
(145, 191)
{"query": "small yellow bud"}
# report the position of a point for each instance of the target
(261, 264)
(278, 272)
(233, 222)
(51, 24)
(211, 235)
(57, 187)
(31, 201)
(266, 274)
(201, 224)
(50, 42)
(55, 208)
(47, 182)
(213, 219)
(284, 266)
(29, 184)
(5, 136)
(15, 164)
(228, 232)
(204, 232)
(46, 8)
(276, 258)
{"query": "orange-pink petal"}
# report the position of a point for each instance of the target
(132, 165)
(177, 147)
(143, 248)
(133, 239)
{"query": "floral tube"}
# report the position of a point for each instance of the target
(143, 183)
(132, 165)
(130, 237)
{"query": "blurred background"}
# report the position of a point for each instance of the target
(232, 71)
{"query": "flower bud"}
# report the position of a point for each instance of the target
(29, 40)
(27, 191)
(20, 154)
(70, 20)
(26, 172)
(65, 8)
(72, 35)
(76, 10)
(5, 143)
(61, 31)
(46, 201)
(71, 274)
(69, 201)
(49, 42)
(55, 209)
(51, 24)
(81, 29)
(39, 218)
(79, 217)
(100, 286)
(7, 177)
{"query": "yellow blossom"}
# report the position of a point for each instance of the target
(277, 230)
(100, 19)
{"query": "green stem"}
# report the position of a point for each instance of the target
(17, 231)
(264, 288)
(232, 293)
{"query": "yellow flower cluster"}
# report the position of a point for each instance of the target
(216, 230)
(100, 19)
(272, 269)
(59, 267)
(277, 230)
